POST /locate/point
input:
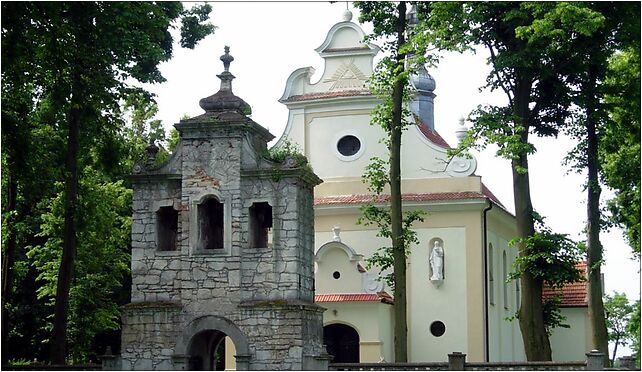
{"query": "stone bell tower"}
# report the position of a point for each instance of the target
(223, 245)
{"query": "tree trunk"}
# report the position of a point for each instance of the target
(617, 342)
(531, 315)
(398, 244)
(593, 244)
(65, 273)
(8, 261)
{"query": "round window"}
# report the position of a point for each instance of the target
(348, 145)
(336, 275)
(437, 328)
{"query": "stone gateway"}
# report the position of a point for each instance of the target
(223, 251)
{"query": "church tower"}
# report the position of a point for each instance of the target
(223, 250)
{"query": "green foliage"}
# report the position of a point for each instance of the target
(194, 26)
(382, 259)
(553, 314)
(551, 257)
(288, 150)
(633, 329)
(102, 262)
(141, 129)
(619, 314)
(620, 145)
(490, 127)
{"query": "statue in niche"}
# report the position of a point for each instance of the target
(437, 261)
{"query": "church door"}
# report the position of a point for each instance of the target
(342, 342)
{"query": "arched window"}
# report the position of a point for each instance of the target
(491, 275)
(505, 279)
(210, 223)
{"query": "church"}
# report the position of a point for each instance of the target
(241, 260)
(458, 295)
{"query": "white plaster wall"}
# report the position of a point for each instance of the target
(325, 132)
(349, 280)
(505, 343)
(446, 303)
(420, 158)
(572, 343)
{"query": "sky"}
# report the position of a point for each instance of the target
(270, 40)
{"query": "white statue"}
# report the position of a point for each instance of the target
(336, 230)
(437, 261)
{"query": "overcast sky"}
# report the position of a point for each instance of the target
(270, 40)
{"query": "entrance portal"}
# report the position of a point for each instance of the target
(342, 342)
(207, 351)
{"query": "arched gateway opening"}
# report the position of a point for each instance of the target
(207, 351)
(205, 341)
(342, 343)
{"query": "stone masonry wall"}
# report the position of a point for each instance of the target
(149, 336)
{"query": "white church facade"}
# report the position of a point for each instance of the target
(458, 300)
(462, 308)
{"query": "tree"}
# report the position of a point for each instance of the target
(588, 34)
(620, 140)
(618, 317)
(537, 103)
(390, 82)
(82, 54)
(633, 328)
(102, 261)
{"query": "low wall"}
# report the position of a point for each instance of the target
(457, 362)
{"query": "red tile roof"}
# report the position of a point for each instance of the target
(355, 297)
(431, 134)
(573, 295)
(322, 95)
(486, 191)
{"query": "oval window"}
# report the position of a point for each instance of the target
(336, 275)
(437, 328)
(348, 145)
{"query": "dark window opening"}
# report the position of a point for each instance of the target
(336, 275)
(166, 228)
(348, 145)
(210, 220)
(437, 328)
(260, 224)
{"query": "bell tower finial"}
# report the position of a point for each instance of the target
(224, 99)
(227, 58)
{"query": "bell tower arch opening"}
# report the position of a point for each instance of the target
(207, 351)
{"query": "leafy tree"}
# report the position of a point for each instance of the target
(620, 140)
(530, 75)
(618, 316)
(390, 83)
(102, 260)
(588, 34)
(76, 58)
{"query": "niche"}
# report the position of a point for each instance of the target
(210, 224)
(260, 224)
(166, 228)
